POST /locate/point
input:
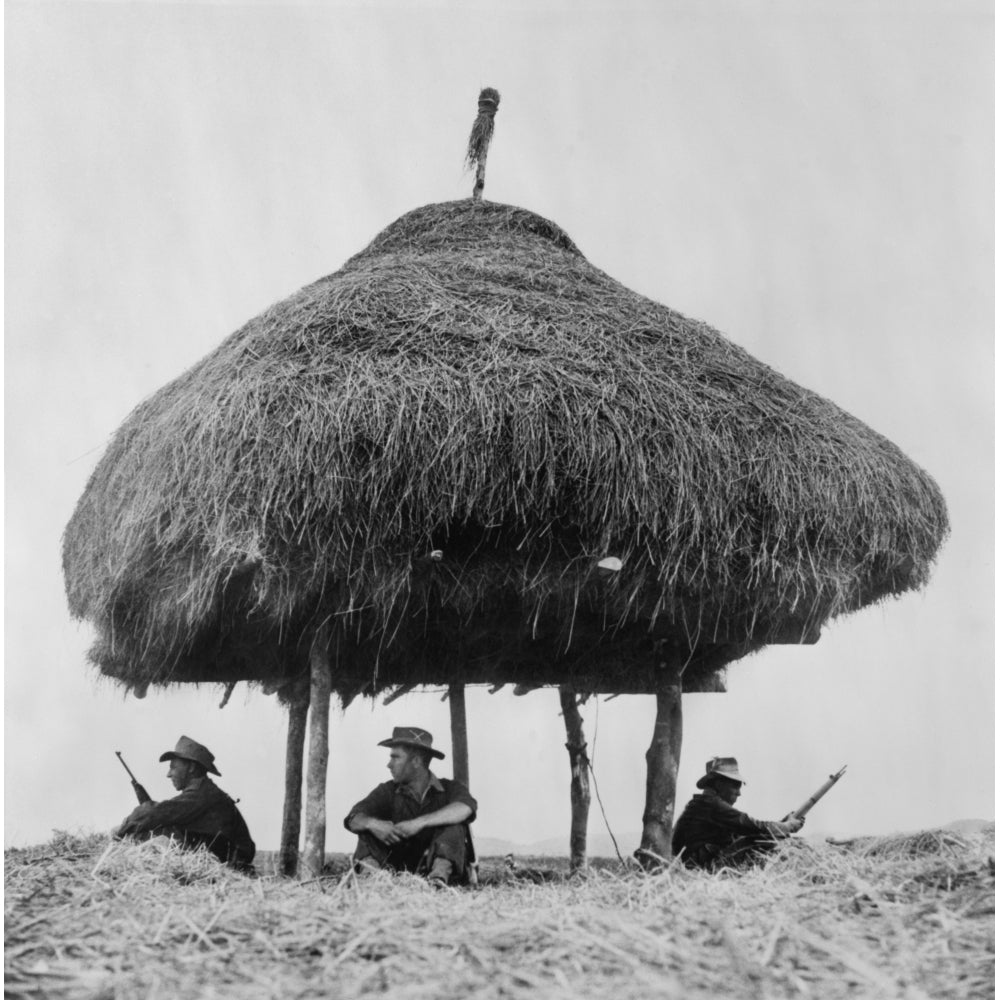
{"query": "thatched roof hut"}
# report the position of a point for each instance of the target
(433, 448)
(471, 456)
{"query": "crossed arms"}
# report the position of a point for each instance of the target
(392, 833)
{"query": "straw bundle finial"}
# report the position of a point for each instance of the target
(479, 138)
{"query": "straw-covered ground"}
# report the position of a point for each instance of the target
(908, 917)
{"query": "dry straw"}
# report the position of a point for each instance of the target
(482, 128)
(470, 386)
(89, 919)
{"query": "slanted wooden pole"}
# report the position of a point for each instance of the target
(662, 760)
(314, 852)
(579, 785)
(291, 820)
(459, 734)
(398, 693)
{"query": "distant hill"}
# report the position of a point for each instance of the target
(970, 827)
(599, 845)
(494, 847)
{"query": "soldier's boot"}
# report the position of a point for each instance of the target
(366, 866)
(440, 873)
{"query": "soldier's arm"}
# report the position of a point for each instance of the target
(134, 823)
(151, 816)
(787, 826)
(731, 819)
(382, 829)
(779, 829)
(373, 815)
(460, 808)
(453, 813)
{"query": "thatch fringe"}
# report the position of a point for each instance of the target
(435, 447)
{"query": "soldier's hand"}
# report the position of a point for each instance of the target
(384, 830)
(795, 823)
(408, 828)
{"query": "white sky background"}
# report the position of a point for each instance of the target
(815, 179)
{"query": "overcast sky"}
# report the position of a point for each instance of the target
(815, 179)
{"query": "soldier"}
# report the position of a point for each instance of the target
(201, 815)
(712, 834)
(417, 822)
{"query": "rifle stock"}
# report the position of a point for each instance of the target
(140, 793)
(818, 794)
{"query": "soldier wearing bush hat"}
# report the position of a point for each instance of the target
(711, 833)
(722, 767)
(416, 822)
(201, 815)
(414, 739)
(187, 749)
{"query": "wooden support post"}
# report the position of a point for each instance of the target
(662, 760)
(314, 852)
(579, 785)
(459, 734)
(291, 821)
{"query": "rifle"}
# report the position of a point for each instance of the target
(140, 793)
(814, 798)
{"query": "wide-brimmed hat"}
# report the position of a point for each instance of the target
(188, 749)
(411, 736)
(724, 767)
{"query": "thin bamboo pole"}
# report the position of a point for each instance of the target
(314, 852)
(579, 785)
(291, 821)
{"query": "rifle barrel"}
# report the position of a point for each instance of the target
(140, 793)
(820, 792)
(118, 754)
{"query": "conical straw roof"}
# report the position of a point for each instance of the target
(435, 447)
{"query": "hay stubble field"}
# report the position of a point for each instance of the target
(909, 917)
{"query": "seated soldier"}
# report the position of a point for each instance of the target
(201, 815)
(417, 822)
(712, 834)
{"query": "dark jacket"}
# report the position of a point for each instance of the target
(203, 814)
(709, 828)
(397, 803)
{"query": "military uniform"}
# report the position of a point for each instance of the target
(713, 834)
(203, 814)
(397, 803)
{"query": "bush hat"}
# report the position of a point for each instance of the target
(188, 749)
(411, 736)
(724, 767)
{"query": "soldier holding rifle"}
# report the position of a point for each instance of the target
(202, 815)
(712, 834)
